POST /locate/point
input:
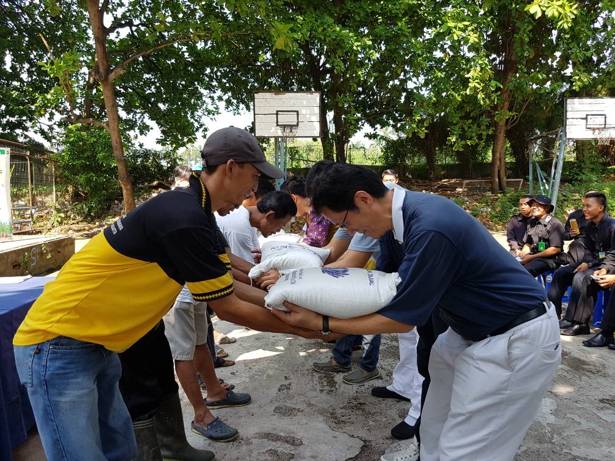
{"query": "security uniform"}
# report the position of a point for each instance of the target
(542, 234)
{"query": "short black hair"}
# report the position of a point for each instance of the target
(295, 186)
(182, 172)
(529, 197)
(337, 186)
(600, 196)
(264, 186)
(312, 176)
(389, 172)
(281, 203)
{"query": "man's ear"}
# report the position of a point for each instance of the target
(230, 166)
(362, 199)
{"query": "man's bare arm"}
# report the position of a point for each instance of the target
(249, 293)
(239, 263)
(232, 309)
(337, 247)
(351, 258)
(365, 325)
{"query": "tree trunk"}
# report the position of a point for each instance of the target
(325, 136)
(341, 138)
(340, 150)
(113, 118)
(498, 153)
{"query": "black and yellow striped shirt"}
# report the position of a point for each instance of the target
(127, 277)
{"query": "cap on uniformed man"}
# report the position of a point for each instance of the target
(233, 143)
(542, 200)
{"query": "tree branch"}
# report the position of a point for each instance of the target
(119, 25)
(87, 121)
(514, 120)
(122, 67)
(104, 6)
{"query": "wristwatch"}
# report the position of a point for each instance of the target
(325, 325)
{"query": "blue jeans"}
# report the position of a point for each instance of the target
(79, 411)
(342, 351)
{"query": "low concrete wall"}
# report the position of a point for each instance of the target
(35, 256)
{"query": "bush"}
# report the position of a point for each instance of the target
(87, 167)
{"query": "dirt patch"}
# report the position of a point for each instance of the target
(278, 455)
(286, 410)
(287, 439)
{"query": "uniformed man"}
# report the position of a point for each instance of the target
(574, 229)
(543, 239)
(117, 288)
(599, 239)
(491, 368)
(605, 278)
(516, 227)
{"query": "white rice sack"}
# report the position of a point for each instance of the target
(279, 237)
(285, 256)
(341, 293)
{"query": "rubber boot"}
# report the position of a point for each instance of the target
(169, 424)
(147, 443)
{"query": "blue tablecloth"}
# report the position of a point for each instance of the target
(16, 417)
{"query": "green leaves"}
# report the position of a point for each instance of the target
(283, 39)
(563, 12)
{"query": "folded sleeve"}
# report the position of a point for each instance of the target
(430, 265)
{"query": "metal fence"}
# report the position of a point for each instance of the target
(33, 187)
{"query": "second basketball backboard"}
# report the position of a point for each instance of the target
(590, 118)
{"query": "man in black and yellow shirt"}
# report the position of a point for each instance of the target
(118, 287)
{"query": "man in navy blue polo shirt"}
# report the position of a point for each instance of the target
(492, 366)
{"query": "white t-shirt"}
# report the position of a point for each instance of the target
(240, 235)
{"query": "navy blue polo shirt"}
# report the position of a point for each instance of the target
(447, 260)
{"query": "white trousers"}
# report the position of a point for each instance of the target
(406, 378)
(484, 395)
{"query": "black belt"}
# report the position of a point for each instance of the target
(525, 317)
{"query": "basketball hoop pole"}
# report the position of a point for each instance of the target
(281, 149)
(559, 167)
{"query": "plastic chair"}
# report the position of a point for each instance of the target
(601, 302)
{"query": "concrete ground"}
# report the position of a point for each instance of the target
(297, 414)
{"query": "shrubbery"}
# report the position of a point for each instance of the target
(87, 169)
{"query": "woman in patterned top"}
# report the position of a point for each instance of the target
(317, 228)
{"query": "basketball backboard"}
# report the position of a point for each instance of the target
(590, 118)
(287, 115)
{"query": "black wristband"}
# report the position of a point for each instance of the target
(325, 325)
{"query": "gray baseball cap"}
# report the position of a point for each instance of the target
(236, 144)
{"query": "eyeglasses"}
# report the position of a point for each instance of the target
(343, 223)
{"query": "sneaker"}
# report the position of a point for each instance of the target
(217, 430)
(330, 367)
(410, 453)
(232, 399)
(360, 375)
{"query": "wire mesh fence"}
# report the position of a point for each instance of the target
(32, 183)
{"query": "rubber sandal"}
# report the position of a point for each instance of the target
(217, 430)
(222, 353)
(229, 387)
(227, 340)
(232, 399)
(222, 363)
